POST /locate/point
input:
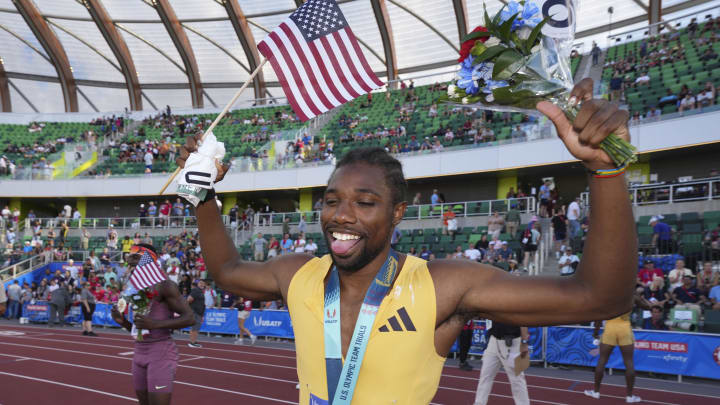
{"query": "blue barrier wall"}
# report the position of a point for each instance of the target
(38, 274)
(688, 354)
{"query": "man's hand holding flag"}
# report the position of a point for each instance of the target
(320, 66)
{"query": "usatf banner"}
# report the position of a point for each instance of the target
(688, 354)
(270, 323)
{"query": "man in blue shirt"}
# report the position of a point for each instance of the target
(286, 244)
(662, 236)
(714, 297)
(435, 198)
(544, 195)
(425, 254)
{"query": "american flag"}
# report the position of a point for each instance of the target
(317, 59)
(147, 273)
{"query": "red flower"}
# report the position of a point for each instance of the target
(467, 46)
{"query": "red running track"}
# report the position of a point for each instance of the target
(56, 366)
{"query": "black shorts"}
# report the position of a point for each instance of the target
(530, 248)
(87, 315)
(198, 322)
(560, 235)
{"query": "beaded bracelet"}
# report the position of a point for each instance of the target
(609, 173)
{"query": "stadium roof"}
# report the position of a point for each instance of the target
(103, 55)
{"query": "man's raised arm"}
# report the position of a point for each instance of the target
(254, 280)
(602, 286)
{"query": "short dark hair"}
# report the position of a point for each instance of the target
(394, 177)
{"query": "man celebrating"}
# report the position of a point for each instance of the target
(156, 356)
(393, 317)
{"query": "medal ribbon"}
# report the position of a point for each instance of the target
(342, 378)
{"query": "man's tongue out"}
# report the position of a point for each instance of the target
(340, 247)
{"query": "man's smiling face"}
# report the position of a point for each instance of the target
(358, 215)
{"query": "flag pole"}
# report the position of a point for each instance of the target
(219, 117)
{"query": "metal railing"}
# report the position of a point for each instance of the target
(526, 205)
(26, 265)
(650, 194)
(183, 222)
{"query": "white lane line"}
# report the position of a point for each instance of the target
(293, 368)
(500, 395)
(294, 382)
(192, 358)
(565, 390)
(126, 353)
(126, 373)
(116, 357)
(585, 381)
(43, 380)
(178, 341)
(108, 332)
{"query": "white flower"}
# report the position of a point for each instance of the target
(492, 41)
(465, 100)
(490, 98)
(451, 90)
(524, 32)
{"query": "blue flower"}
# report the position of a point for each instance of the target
(531, 16)
(467, 81)
(490, 85)
(528, 16)
(483, 71)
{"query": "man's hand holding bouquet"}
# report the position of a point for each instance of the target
(519, 61)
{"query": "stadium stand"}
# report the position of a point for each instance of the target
(659, 72)
(409, 120)
(244, 133)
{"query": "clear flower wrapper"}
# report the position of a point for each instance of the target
(520, 57)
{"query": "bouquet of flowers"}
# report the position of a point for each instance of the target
(140, 301)
(521, 57)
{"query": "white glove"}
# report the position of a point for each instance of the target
(198, 175)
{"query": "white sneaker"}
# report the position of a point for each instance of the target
(592, 393)
(253, 338)
(240, 341)
(297, 387)
(632, 399)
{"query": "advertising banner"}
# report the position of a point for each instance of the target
(270, 323)
(688, 354)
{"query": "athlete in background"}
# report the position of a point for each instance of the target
(244, 306)
(156, 356)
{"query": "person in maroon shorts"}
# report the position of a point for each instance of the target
(156, 356)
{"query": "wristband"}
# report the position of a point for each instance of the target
(209, 196)
(609, 173)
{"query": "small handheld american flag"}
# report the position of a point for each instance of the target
(147, 273)
(317, 59)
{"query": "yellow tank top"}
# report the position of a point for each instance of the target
(621, 320)
(400, 364)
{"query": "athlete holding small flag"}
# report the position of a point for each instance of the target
(156, 356)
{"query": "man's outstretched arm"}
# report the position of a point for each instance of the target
(257, 281)
(603, 284)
